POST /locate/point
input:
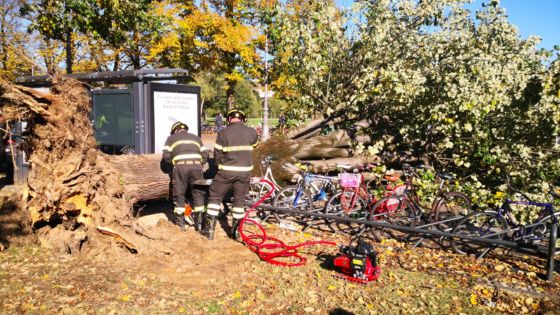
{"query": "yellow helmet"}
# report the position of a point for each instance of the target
(179, 126)
(236, 113)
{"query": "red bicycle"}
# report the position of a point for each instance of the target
(355, 200)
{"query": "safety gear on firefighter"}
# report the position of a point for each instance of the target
(235, 230)
(210, 226)
(179, 126)
(187, 154)
(197, 220)
(236, 113)
(233, 150)
(179, 210)
(180, 221)
(233, 153)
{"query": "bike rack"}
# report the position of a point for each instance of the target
(531, 249)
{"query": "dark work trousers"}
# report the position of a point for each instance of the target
(222, 183)
(184, 177)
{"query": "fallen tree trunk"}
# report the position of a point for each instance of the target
(141, 176)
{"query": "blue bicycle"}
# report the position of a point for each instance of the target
(310, 193)
(502, 224)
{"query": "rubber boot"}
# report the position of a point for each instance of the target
(210, 226)
(180, 221)
(197, 218)
(203, 224)
(235, 230)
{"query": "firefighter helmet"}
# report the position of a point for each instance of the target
(179, 126)
(236, 113)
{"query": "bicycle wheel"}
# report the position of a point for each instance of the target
(258, 188)
(393, 209)
(293, 197)
(342, 205)
(478, 224)
(450, 205)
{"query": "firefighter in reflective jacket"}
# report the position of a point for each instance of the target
(187, 154)
(233, 153)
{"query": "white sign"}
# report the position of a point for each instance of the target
(169, 108)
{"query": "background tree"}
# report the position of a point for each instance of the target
(314, 60)
(213, 36)
(59, 20)
(246, 99)
(128, 26)
(14, 57)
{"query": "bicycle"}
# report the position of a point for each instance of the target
(355, 200)
(404, 206)
(502, 224)
(309, 190)
(259, 186)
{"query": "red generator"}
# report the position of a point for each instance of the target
(358, 263)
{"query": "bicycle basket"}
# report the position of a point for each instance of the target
(348, 180)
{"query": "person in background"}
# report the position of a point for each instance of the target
(186, 153)
(233, 153)
(282, 122)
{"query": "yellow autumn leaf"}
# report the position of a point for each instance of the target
(236, 295)
(331, 287)
(125, 298)
(474, 299)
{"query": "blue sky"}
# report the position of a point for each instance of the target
(535, 17)
(532, 17)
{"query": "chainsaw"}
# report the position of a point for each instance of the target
(357, 263)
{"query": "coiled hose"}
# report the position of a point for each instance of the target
(271, 249)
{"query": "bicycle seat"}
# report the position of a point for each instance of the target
(391, 177)
(445, 176)
(303, 166)
(344, 166)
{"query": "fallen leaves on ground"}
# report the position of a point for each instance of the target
(413, 281)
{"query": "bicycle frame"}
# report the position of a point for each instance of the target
(412, 197)
(306, 181)
(267, 176)
(523, 230)
(360, 191)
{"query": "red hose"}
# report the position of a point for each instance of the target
(271, 249)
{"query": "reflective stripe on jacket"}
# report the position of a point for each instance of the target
(233, 150)
(184, 146)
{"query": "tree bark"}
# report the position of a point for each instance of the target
(141, 176)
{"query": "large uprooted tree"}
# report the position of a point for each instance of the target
(72, 186)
